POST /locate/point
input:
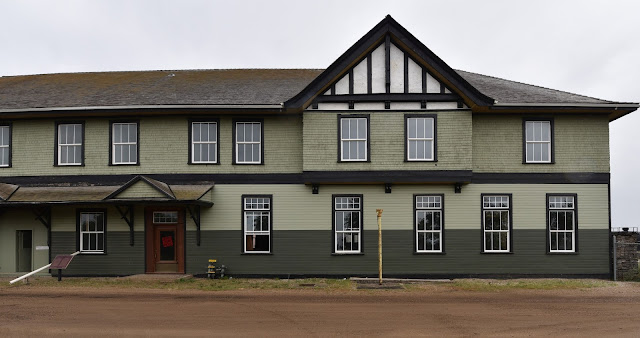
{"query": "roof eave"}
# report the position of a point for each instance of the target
(614, 110)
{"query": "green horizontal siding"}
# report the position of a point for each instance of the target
(164, 148)
(581, 144)
(120, 258)
(309, 252)
(10, 222)
(387, 142)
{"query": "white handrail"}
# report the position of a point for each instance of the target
(36, 271)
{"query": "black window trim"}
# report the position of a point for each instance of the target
(415, 226)
(190, 132)
(575, 218)
(339, 136)
(435, 136)
(55, 143)
(333, 225)
(10, 125)
(104, 217)
(242, 210)
(111, 122)
(482, 209)
(234, 122)
(549, 119)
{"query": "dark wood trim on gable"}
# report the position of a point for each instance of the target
(56, 144)
(369, 79)
(190, 144)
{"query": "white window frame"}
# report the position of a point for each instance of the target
(130, 143)
(209, 142)
(243, 142)
(61, 145)
(256, 206)
(500, 204)
(426, 140)
(95, 232)
(530, 140)
(429, 204)
(347, 204)
(5, 147)
(565, 204)
(345, 141)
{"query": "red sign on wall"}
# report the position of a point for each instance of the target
(167, 241)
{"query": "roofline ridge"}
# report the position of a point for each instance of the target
(532, 85)
(156, 70)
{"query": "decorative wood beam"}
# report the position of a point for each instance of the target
(126, 213)
(43, 214)
(395, 97)
(194, 212)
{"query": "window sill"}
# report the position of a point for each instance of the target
(562, 253)
(91, 253)
(69, 165)
(243, 163)
(203, 163)
(347, 254)
(420, 253)
(257, 253)
(538, 163)
(496, 253)
(427, 161)
(123, 164)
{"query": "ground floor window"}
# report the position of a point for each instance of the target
(428, 223)
(562, 223)
(91, 230)
(347, 218)
(257, 223)
(496, 223)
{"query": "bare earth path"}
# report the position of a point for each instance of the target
(433, 311)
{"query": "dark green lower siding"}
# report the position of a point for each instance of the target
(120, 259)
(309, 253)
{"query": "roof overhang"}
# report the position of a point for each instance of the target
(612, 110)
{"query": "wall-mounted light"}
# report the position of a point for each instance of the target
(387, 188)
(315, 189)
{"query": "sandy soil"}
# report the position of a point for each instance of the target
(434, 311)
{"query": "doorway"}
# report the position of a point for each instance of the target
(164, 240)
(24, 244)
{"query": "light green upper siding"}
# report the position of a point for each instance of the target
(164, 148)
(296, 208)
(387, 142)
(581, 144)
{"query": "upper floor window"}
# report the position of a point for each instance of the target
(347, 226)
(248, 142)
(124, 143)
(562, 223)
(257, 224)
(538, 138)
(70, 144)
(428, 220)
(496, 223)
(5, 146)
(421, 138)
(204, 142)
(354, 138)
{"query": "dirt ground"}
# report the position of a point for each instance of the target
(435, 310)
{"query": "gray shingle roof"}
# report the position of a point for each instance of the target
(215, 87)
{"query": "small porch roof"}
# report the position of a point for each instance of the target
(139, 190)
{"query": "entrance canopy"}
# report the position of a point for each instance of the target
(139, 190)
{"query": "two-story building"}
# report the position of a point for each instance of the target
(280, 171)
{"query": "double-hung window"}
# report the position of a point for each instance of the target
(421, 138)
(204, 142)
(124, 143)
(538, 147)
(562, 223)
(354, 138)
(248, 142)
(5, 145)
(428, 223)
(257, 223)
(496, 223)
(69, 148)
(347, 224)
(91, 228)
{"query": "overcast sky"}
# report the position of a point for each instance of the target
(586, 47)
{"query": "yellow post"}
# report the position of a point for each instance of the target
(379, 211)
